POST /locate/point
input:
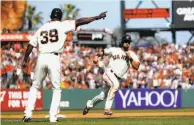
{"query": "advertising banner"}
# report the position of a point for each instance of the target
(183, 13)
(147, 99)
(12, 100)
(73, 98)
(23, 37)
(146, 13)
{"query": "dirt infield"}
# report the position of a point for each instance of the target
(100, 115)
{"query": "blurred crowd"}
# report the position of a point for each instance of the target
(162, 66)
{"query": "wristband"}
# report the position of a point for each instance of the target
(96, 17)
(130, 59)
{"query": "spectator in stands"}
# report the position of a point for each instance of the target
(167, 66)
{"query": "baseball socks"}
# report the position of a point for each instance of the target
(31, 102)
(55, 105)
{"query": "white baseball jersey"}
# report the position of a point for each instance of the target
(118, 60)
(49, 39)
(117, 67)
(52, 35)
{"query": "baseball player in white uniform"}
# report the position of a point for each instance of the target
(49, 39)
(120, 58)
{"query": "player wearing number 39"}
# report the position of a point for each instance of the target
(120, 58)
(49, 39)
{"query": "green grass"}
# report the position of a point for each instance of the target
(174, 120)
(108, 121)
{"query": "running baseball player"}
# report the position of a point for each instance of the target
(120, 58)
(49, 39)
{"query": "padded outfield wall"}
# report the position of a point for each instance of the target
(14, 100)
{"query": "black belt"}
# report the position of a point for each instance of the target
(119, 78)
(55, 54)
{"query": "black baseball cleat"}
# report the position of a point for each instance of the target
(86, 110)
(108, 113)
(57, 120)
(26, 119)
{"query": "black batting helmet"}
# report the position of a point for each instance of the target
(125, 39)
(56, 14)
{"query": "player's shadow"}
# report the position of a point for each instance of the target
(108, 118)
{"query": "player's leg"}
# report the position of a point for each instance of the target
(40, 74)
(54, 75)
(114, 82)
(97, 99)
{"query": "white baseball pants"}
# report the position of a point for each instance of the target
(46, 64)
(112, 85)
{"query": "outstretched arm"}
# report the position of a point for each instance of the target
(86, 20)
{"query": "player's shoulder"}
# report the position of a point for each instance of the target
(44, 25)
(67, 22)
(113, 48)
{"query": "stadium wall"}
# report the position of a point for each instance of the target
(187, 98)
(15, 100)
(72, 98)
